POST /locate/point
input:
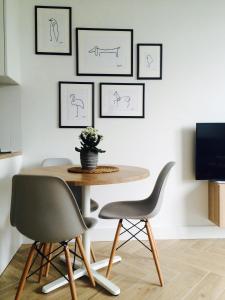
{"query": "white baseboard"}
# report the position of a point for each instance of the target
(167, 233)
(182, 232)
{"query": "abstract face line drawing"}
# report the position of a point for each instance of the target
(54, 30)
(122, 99)
(78, 103)
(149, 60)
(98, 51)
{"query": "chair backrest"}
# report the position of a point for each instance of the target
(44, 209)
(59, 161)
(156, 197)
(56, 161)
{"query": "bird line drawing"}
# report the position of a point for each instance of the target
(78, 103)
(149, 60)
(54, 31)
(119, 100)
(98, 51)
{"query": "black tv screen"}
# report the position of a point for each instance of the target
(210, 151)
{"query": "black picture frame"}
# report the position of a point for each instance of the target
(149, 61)
(53, 38)
(85, 61)
(89, 103)
(125, 98)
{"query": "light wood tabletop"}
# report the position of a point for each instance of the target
(125, 174)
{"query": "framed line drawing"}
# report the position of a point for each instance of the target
(53, 30)
(149, 61)
(76, 104)
(122, 100)
(104, 52)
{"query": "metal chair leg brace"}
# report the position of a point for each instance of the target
(135, 234)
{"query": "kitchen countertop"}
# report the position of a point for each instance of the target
(8, 155)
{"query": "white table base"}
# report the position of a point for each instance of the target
(100, 279)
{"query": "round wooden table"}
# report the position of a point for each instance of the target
(125, 174)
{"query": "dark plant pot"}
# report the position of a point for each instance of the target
(89, 160)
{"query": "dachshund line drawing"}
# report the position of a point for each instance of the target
(54, 30)
(118, 99)
(98, 51)
(149, 60)
(78, 103)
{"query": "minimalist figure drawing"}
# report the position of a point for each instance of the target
(119, 100)
(149, 61)
(98, 51)
(54, 30)
(78, 103)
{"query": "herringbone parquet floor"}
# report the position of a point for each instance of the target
(192, 269)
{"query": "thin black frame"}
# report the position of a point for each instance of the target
(70, 30)
(102, 74)
(138, 58)
(76, 82)
(123, 83)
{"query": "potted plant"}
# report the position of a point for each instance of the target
(89, 139)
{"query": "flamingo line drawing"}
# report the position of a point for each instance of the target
(122, 99)
(78, 103)
(54, 30)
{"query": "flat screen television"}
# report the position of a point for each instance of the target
(210, 151)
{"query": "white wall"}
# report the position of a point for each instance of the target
(192, 90)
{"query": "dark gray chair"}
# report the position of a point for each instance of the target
(141, 210)
(44, 209)
(59, 161)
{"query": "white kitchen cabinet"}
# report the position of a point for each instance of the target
(9, 42)
(10, 238)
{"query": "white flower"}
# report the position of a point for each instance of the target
(91, 132)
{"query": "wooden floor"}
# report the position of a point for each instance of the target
(193, 269)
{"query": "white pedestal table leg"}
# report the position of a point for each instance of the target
(86, 210)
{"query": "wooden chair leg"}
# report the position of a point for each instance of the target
(46, 253)
(154, 251)
(87, 265)
(93, 254)
(70, 273)
(44, 250)
(152, 235)
(113, 251)
(25, 272)
(49, 254)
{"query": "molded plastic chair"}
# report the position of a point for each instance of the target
(44, 209)
(50, 162)
(142, 210)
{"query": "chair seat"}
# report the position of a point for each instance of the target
(90, 222)
(125, 210)
(94, 205)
